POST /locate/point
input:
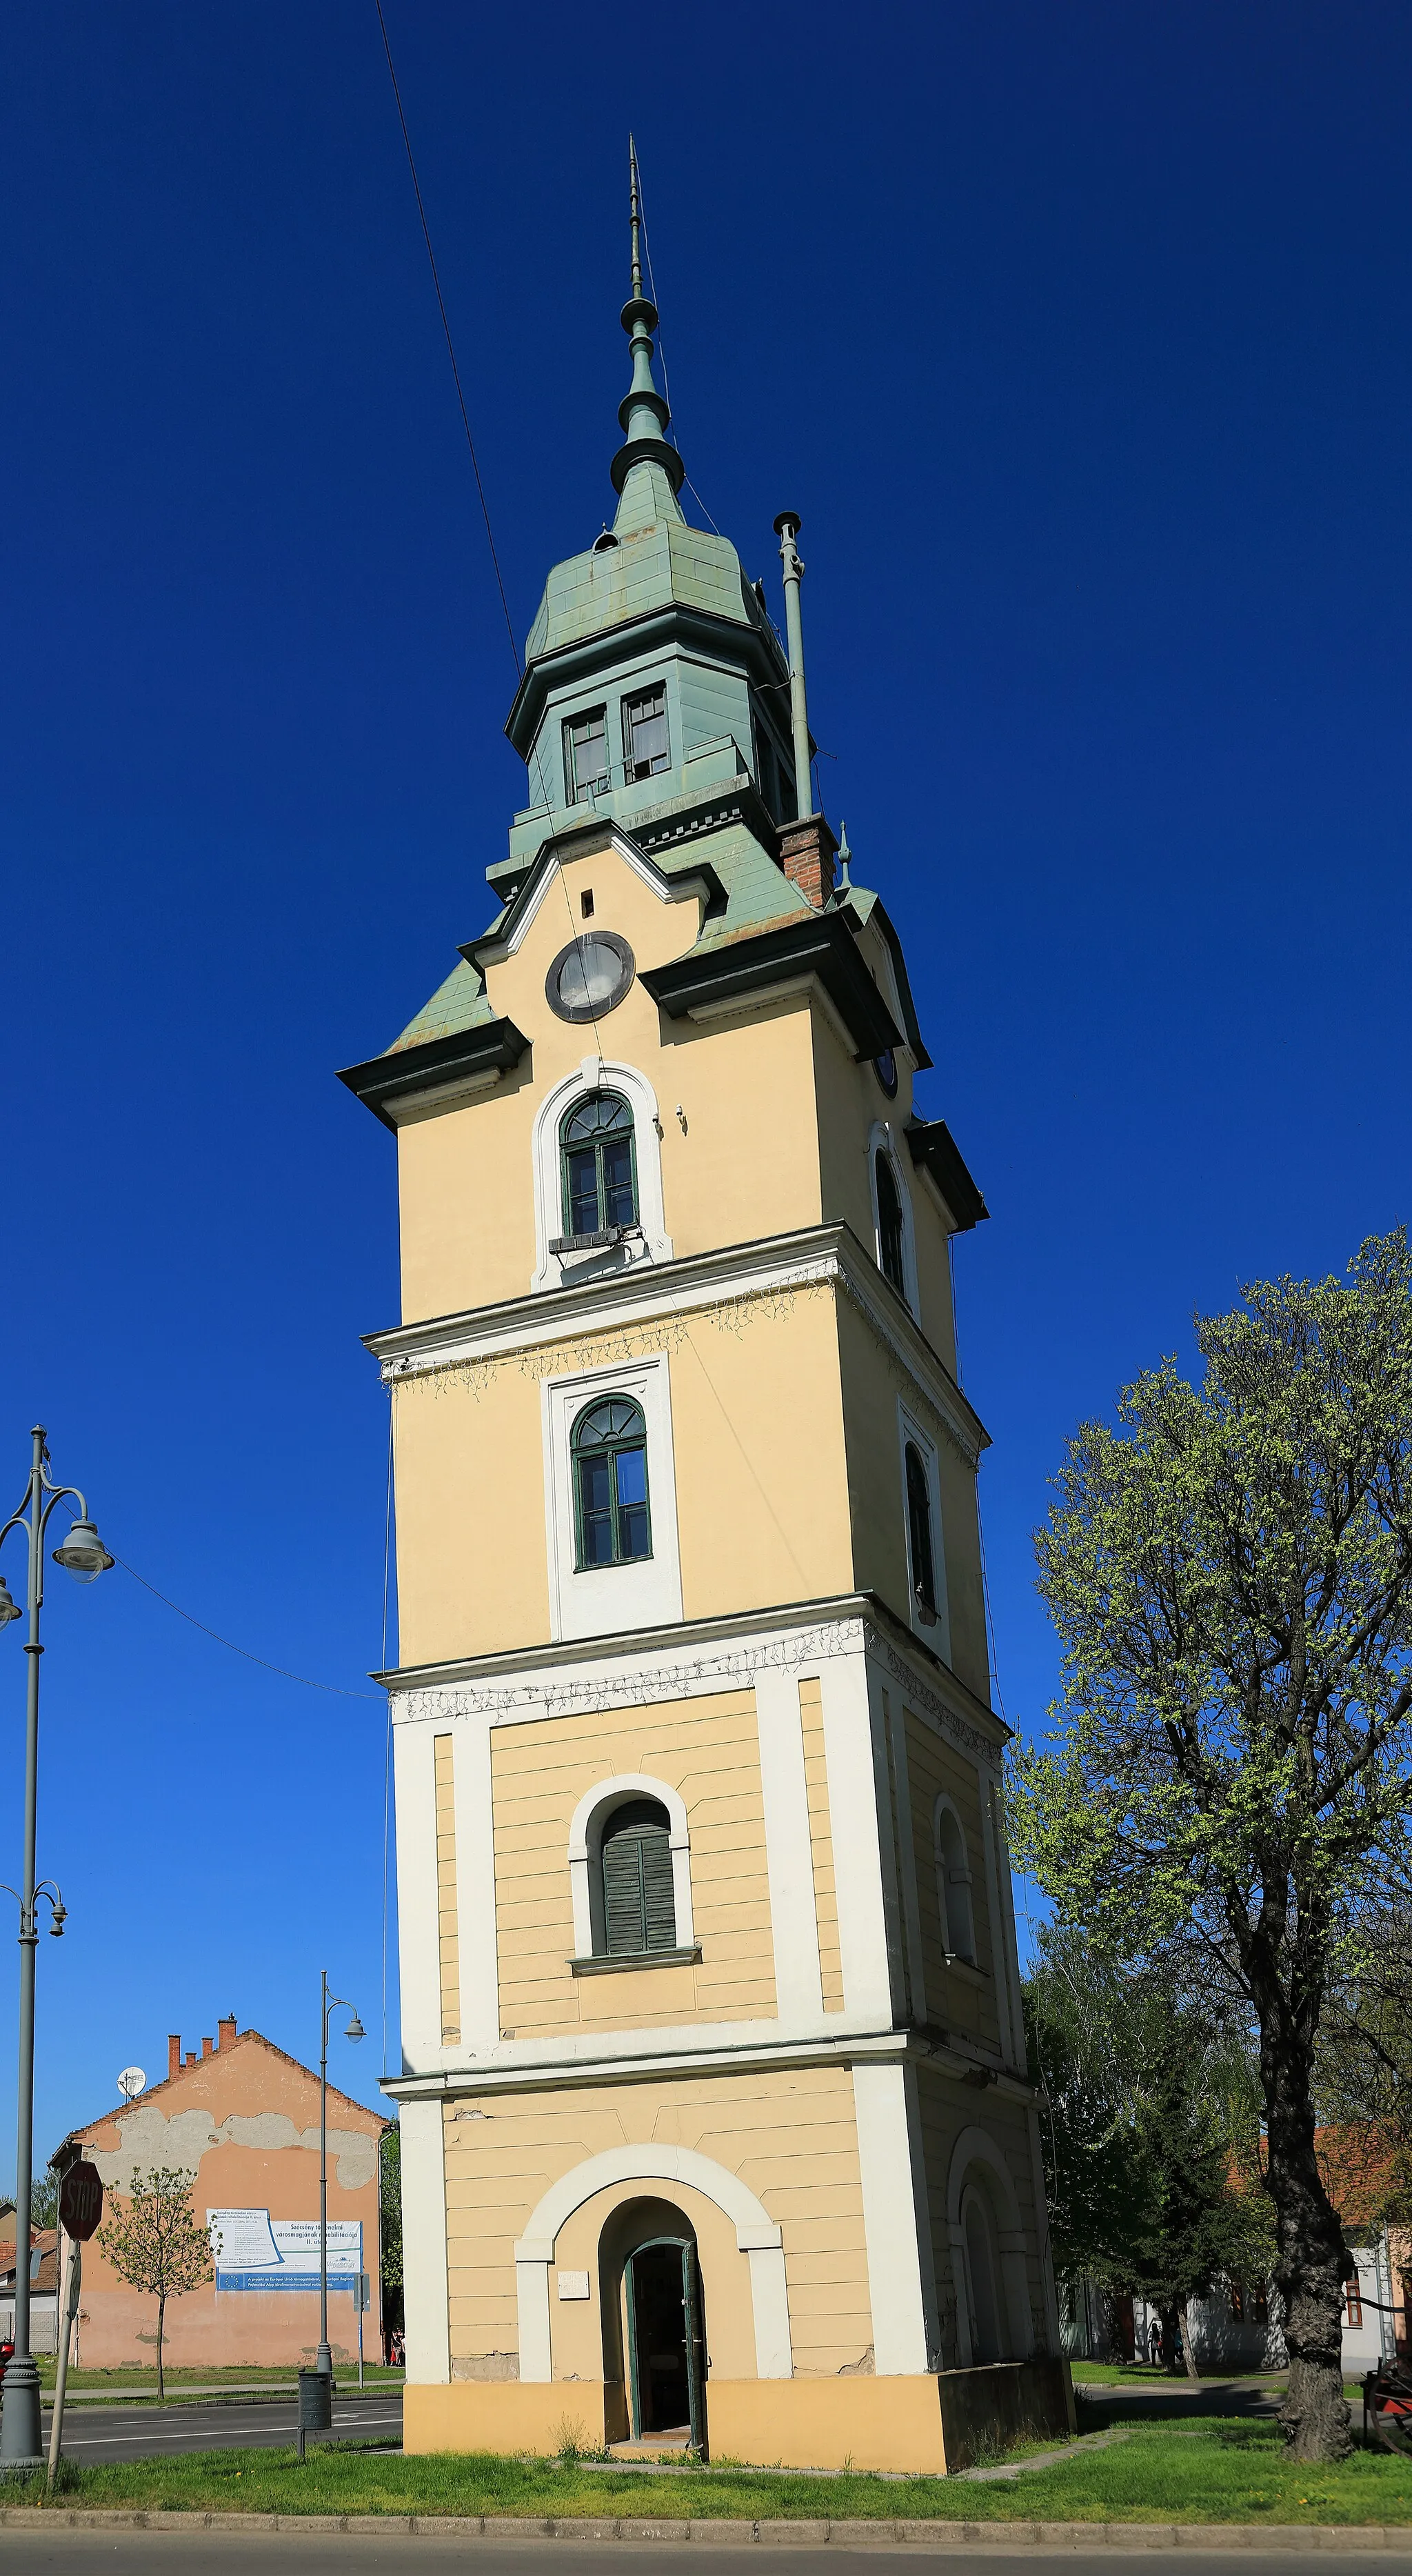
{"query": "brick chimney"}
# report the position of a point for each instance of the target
(173, 2054)
(191, 2057)
(807, 853)
(225, 2030)
(208, 2048)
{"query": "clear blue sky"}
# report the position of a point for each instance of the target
(1080, 337)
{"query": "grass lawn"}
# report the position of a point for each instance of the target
(1225, 2471)
(237, 2375)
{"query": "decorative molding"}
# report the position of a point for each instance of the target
(928, 1703)
(599, 1322)
(756, 2236)
(692, 1671)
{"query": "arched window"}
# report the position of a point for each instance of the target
(609, 1446)
(919, 1531)
(953, 1886)
(892, 1258)
(639, 1909)
(599, 1165)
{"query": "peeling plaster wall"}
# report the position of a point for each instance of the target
(243, 2123)
(150, 2139)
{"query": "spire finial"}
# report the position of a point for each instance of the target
(845, 882)
(645, 462)
(635, 201)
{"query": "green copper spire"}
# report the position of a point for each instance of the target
(647, 472)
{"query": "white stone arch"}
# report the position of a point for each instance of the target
(976, 2147)
(885, 1138)
(597, 1073)
(585, 1844)
(756, 2235)
(953, 1870)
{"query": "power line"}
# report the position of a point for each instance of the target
(229, 1643)
(450, 345)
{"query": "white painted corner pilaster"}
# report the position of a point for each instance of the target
(418, 1926)
(799, 1994)
(856, 1824)
(426, 2304)
(896, 2221)
(475, 1887)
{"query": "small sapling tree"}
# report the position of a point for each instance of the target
(1230, 1572)
(156, 2243)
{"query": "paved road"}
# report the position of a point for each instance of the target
(145, 2432)
(150, 2553)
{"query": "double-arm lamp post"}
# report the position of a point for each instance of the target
(332, 2003)
(84, 1556)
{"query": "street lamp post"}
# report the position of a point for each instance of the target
(84, 1556)
(332, 2003)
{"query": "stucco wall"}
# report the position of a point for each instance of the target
(790, 2136)
(708, 1751)
(761, 1502)
(244, 2123)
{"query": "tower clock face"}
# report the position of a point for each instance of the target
(885, 1067)
(590, 977)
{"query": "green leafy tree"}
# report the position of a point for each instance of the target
(1230, 1572)
(156, 2243)
(390, 2206)
(1148, 2130)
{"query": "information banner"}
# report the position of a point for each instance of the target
(252, 2251)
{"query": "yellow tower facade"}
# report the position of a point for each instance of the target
(716, 2125)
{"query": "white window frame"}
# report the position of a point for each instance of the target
(563, 1270)
(884, 1138)
(936, 1633)
(595, 1810)
(600, 1600)
(946, 1875)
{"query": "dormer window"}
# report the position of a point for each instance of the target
(646, 749)
(586, 755)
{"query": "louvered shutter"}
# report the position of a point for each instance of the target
(639, 1912)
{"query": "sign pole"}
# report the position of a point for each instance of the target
(73, 2274)
(80, 2208)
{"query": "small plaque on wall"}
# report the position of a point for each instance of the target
(573, 2285)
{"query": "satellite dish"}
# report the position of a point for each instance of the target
(131, 2082)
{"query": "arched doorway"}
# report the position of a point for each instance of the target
(654, 2322)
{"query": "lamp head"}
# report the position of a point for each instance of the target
(8, 1609)
(83, 1554)
(58, 1913)
(355, 2029)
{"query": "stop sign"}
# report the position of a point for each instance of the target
(80, 2201)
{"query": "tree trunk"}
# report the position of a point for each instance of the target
(1169, 2339)
(161, 2319)
(1311, 2257)
(1189, 2349)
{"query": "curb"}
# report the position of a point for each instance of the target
(1294, 2537)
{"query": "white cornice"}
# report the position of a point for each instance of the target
(683, 2052)
(702, 1656)
(665, 1292)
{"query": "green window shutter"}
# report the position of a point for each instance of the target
(658, 1900)
(639, 1909)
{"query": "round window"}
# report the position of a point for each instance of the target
(885, 1067)
(592, 975)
